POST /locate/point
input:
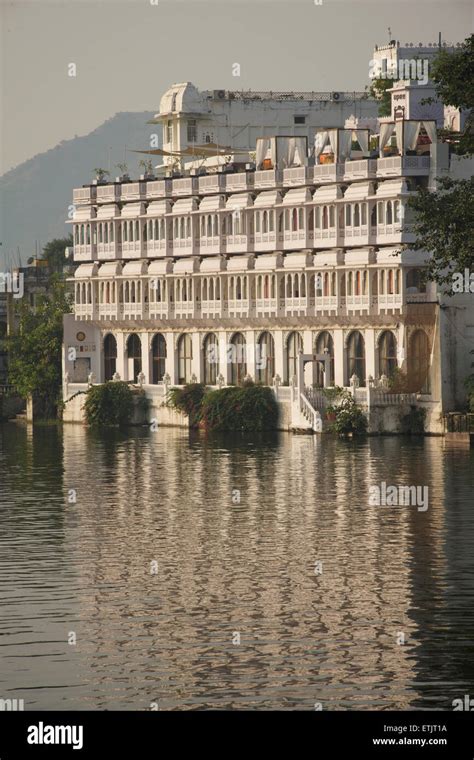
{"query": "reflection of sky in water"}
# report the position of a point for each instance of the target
(225, 567)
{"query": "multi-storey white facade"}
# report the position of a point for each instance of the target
(219, 275)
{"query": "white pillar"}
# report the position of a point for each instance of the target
(197, 368)
(146, 359)
(121, 361)
(250, 338)
(308, 349)
(369, 338)
(224, 356)
(170, 357)
(280, 355)
(339, 358)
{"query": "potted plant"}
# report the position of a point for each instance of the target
(100, 175)
(124, 176)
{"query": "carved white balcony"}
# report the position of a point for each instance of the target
(238, 307)
(327, 173)
(156, 248)
(211, 183)
(161, 310)
(160, 188)
(84, 195)
(110, 311)
(133, 249)
(297, 239)
(297, 176)
(133, 191)
(365, 168)
(268, 178)
(213, 308)
(138, 310)
(108, 193)
(184, 186)
(403, 166)
(239, 243)
(266, 307)
(85, 252)
(108, 251)
(214, 244)
(239, 182)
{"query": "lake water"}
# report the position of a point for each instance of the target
(178, 546)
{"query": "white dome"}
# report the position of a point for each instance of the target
(185, 98)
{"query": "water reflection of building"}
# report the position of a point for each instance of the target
(249, 566)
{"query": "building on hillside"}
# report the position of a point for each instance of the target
(244, 270)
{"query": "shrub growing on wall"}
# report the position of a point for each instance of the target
(109, 404)
(247, 408)
(188, 400)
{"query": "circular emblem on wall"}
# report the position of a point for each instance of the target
(80, 336)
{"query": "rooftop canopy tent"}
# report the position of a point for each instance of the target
(281, 152)
(340, 141)
(407, 132)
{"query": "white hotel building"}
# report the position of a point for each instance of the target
(232, 265)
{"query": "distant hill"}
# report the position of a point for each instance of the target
(35, 195)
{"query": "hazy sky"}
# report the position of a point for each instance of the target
(127, 52)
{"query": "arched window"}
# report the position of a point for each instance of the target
(325, 218)
(134, 356)
(419, 363)
(293, 347)
(265, 222)
(265, 359)
(158, 358)
(317, 218)
(294, 220)
(238, 357)
(373, 217)
(387, 354)
(348, 215)
(356, 215)
(110, 357)
(389, 212)
(185, 359)
(332, 216)
(300, 219)
(324, 345)
(211, 359)
(356, 357)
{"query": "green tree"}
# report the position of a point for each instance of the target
(453, 76)
(54, 253)
(34, 351)
(379, 89)
(443, 220)
(443, 224)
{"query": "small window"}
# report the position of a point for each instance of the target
(192, 130)
(299, 119)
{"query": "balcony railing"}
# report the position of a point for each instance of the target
(239, 182)
(158, 189)
(298, 175)
(134, 191)
(268, 178)
(327, 173)
(403, 166)
(107, 251)
(212, 308)
(108, 193)
(365, 168)
(211, 183)
(266, 306)
(185, 186)
(110, 310)
(84, 194)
